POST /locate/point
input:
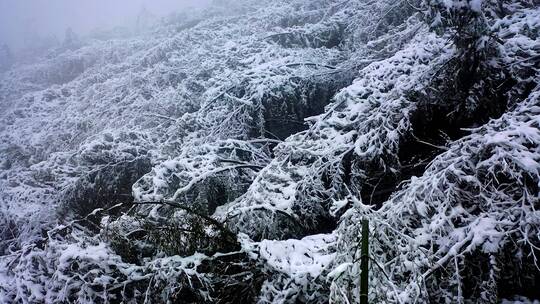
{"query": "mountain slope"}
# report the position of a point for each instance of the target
(228, 156)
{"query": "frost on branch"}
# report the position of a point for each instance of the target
(227, 156)
(358, 136)
(475, 207)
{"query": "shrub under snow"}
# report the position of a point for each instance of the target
(228, 156)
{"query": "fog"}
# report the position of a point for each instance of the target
(22, 21)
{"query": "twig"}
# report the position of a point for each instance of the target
(290, 65)
(429, 144)
(207, 174)
(162, 116)
(209, 219)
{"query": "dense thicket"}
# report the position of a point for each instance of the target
(228, 156)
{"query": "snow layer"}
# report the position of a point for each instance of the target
(229, 155)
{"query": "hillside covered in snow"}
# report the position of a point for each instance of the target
(228, 155)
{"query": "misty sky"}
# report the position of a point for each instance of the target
(20, 19)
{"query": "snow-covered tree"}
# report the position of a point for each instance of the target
(228, 155)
